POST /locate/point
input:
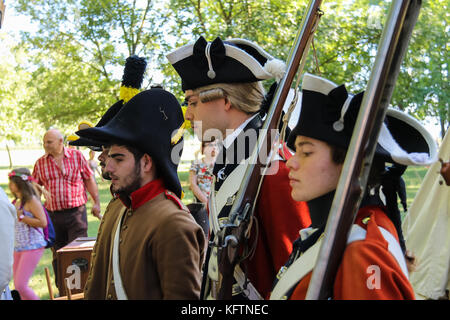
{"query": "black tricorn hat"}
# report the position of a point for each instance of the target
(328, 113)
(152, 122)
(92, 144)
(132, 78)
(231, 61)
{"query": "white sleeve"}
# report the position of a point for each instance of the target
(7, 221)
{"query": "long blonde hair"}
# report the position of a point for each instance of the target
(246, 97)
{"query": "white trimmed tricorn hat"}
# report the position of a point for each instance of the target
(328, 113)
(231, 61)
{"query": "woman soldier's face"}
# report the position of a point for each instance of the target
(312, 172)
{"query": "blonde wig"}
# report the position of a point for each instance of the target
(246, 97)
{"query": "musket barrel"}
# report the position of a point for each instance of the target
(393, 44)
(297, 53)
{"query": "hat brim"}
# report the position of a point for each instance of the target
(167, 170)
(83, 142)
(405, 141)
(146, 123)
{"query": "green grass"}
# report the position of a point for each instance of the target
(413, 178)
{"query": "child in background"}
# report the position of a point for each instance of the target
(201, 172)
(29, 236)
(200, 180)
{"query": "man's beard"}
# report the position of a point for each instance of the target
(135, 183)
(105, 174)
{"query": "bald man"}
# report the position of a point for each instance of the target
(66, 175)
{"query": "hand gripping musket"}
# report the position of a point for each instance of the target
(393, 44)
(232, 238)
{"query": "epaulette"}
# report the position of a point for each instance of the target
(170, 195)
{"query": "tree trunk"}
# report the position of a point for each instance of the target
(9, 156)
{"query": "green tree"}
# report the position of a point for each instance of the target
(76, 57)
(345, 44)
(270, 23)
(14, 126)
(423, 85)
(78, 53)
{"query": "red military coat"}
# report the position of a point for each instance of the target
(279, 220)
(355, 279)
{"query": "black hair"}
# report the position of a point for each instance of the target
(391, 183)
(138, 154)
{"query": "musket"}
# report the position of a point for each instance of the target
(231, 238)
(352, 182)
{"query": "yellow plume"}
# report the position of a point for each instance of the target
(84, 125)
(187, 123)
(126, 93)
(72, 137)
(178, 135)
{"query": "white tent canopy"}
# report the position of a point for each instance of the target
(426, 230)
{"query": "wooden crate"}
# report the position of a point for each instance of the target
(73, 262)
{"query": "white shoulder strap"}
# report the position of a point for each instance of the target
(359, 233)
(305, 264)
(120, 291)
(300, 268)
(227, 190)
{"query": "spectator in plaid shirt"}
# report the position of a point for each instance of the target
(65, 175)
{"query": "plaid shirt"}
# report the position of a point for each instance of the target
(66, 186)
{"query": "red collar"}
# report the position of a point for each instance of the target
(145, 194)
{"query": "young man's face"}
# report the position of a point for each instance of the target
(312, 172)
(124, 171)
(207, 118)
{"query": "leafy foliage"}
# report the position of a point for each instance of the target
(76, 65)
(72, 66)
